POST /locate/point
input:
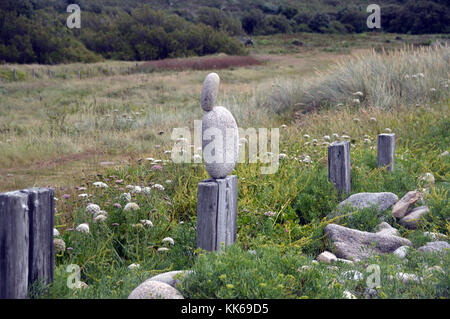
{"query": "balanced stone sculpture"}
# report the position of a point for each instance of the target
(217, 197)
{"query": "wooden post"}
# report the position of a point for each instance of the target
(15, 74)
(339, 166)
(216, 213)
(26, 240)
(40, 216)
(79, 74)
(386, 151)
(34, 74)
(14, 245)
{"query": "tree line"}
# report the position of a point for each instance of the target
(35, 31)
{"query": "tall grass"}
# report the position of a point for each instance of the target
(386, 79)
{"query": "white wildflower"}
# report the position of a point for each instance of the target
(146, 222)
(136, 190)
(359, 93)
(197, 158)
(282, 156)
(356, 101)
(92, 208)
(83, 195)
(55, 232)
(163, 249)
(327, 138)
(100, 185)
(158, 186)
(100, 218)
(168, 240)
(388, 130)
(134, 266)
(306, 136)
(125, 197)
(146, 190)
(83, 228)
(102, 212)
(131, 207)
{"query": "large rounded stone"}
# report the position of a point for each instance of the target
(435, 246)
(220, 136)
(151, 289)
(171, 278)
(210, 91)
(415, 218)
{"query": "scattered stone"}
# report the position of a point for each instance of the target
(405, 278)
(356, 245)
(371, 292)
(345, 261)
(428, 178)
(435, 236)
(59, 246)
(435, 246)
(210, 91)
(433, 269)
(220, 145)
(415, 217)
(349, 295)
(326, 257)
(352, 275)
(401, 207)
(386, 229)
(151, 289)
(171, 278)
(401, 251)
(381, 201)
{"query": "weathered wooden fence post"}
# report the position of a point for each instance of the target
(15, 74)
(26, 240)
(34, 74)
(217, 197)
(339, 166)
(386, 151)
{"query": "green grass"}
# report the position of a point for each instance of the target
(45, 121)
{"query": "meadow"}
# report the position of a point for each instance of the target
(115, 128)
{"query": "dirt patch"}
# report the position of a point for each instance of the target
(202, 63)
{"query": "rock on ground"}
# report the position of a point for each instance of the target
(401, 207)
(170, 277)
(435, 246)
(357, 245)
(415, 217)
(151, 289)
(326, 257)
(401, 251)
(386, 229)
(381, 201)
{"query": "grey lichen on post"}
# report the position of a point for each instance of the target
(386, 151)
(339, 166)
(14, 245)
(216, 213)
(40, 216)
(217, 197)
(26, 240)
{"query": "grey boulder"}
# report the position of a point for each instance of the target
(386, 229)
(415, 218)
(434, 246)
(171, 278)
(401, 207)
(220, 144)
(381, 201)
(151, 289)
(358, 245)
